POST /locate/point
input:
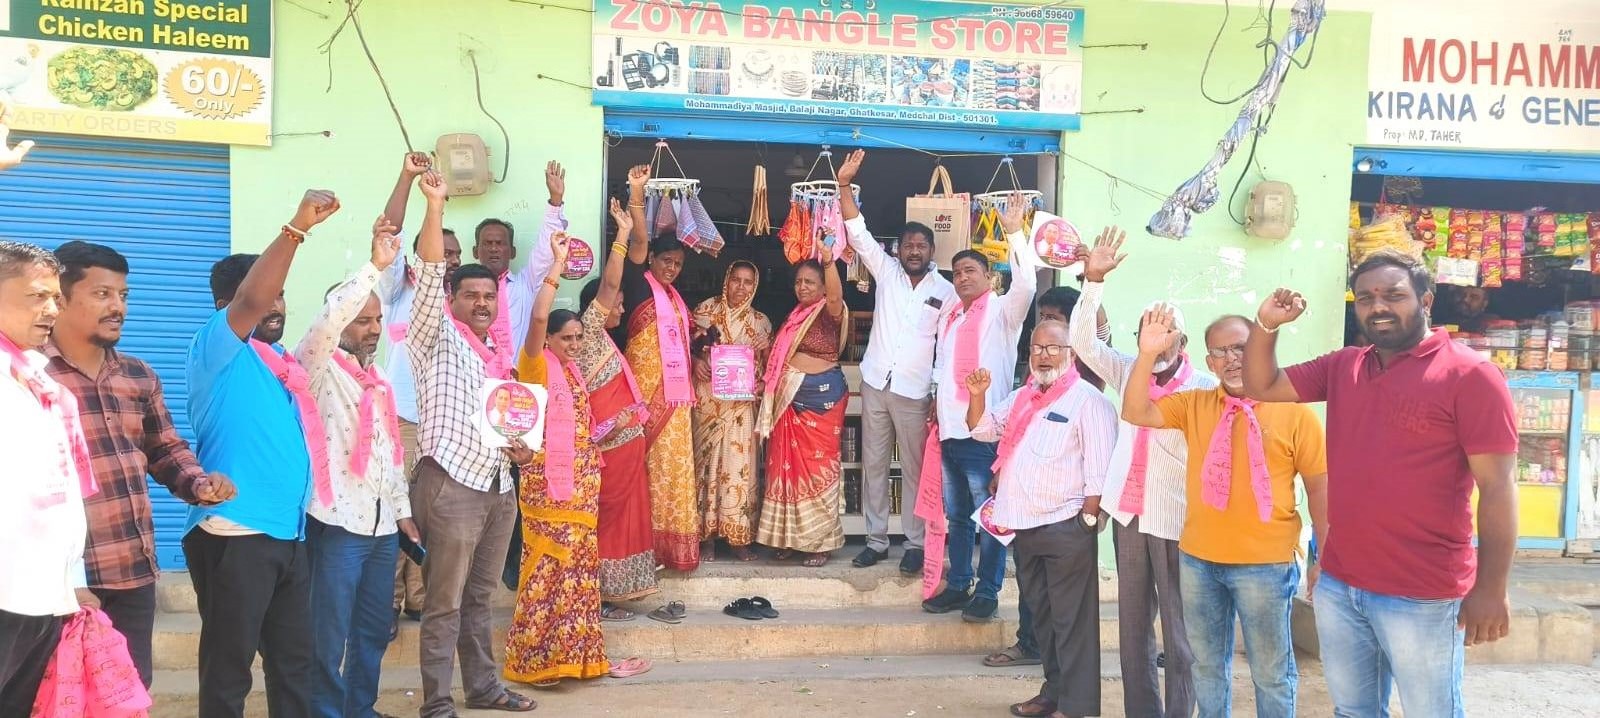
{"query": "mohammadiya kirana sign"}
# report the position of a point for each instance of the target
(1507, 82)
(919, 61)
(150, 69)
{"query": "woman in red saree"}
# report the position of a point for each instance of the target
(627, 547)
(802, 413)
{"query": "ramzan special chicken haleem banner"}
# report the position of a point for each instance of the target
(144, 69)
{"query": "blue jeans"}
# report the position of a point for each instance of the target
(967, 474)
(1262, 596)
(1371, 641)
(352, 599)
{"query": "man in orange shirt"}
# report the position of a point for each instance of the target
(1241, 528)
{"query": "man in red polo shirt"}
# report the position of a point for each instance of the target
(1415, 421)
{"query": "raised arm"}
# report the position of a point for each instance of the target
(1018, 301)
(264, 283)
(1082, 329)
(315, 351)
(978, 391)
(428, 307)
(412, 167)
(868, 251)
(555, 220)
(611, 277)
(1263, 379)
(539, 321)
(639, 246)
(1156, 335)
(833, 287)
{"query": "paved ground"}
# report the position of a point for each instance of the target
(1544, 691)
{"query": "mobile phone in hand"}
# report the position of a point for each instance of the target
(411, 549)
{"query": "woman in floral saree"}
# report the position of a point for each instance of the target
(555, 627)
(725, 444)
(802, 413)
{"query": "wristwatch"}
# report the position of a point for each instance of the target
(1090, 520)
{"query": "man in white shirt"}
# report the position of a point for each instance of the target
(897, 371)
(352, 542)
(397, 288)
(1144, 493)
(978, 332)
(1055, 438)
(42, 523)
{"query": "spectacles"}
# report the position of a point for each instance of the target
(1236, 350)
(1049, 350)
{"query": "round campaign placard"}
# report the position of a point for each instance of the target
(1056, 241)
(512, 410)
(986, 515)
(580, 259)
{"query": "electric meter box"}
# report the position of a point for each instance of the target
(463, 159)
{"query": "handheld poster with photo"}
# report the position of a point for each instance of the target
(1058, 243)
(984, 518)
(509, 410)
(733, 372)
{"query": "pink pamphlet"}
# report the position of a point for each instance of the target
(733, 372)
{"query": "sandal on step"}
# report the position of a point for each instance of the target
(673, 613)
(763, 607)
(742, 608)
(509, 701)
(630, 667)
(817, 560)
(611, 612)
(1011, 657)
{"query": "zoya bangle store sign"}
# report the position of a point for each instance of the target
(935, 63)
(145, 69)
(1464, 80)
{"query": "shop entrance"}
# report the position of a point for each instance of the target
(1513, 244)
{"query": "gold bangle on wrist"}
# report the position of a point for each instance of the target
(553, 284)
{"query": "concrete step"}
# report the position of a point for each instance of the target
(712, 636)
(836, 585)
(1573, 580)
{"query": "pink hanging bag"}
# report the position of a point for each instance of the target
(91, 674)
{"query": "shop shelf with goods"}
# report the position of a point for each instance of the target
(1550, 416)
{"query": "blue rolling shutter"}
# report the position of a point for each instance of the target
(163, 205)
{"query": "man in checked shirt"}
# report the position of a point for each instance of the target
(130, 434)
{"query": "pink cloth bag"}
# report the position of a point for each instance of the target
(91, 674)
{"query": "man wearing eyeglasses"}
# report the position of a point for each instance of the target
(1055, 438)
(1144, 494)
(1241, 527)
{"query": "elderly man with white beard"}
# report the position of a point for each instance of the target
(1055, 437)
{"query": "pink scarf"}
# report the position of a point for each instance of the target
(1025, 410)
(373, 387)
(500, 329)
(784, 345)
(298, 383)
(1216, 474)
(672, 335)
(497, 363)
(930, 508)
(968, 340)
(61, 404)
(1133, 491)
(560, 427)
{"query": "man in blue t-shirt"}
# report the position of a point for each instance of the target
(247, 558)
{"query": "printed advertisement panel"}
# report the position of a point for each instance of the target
(1497, 83)
(146, 69)
(916, 61)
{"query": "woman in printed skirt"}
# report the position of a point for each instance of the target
(802, 412)
(725, 447)
(555, 628)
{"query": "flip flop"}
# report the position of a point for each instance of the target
(672, 613)
(630, 667)
(742, 608)
(509, 702)
(615, 613)
(1010, 657)
(763, 607)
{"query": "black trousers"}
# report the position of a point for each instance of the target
(133, 614)
(26, 645)
(1061, 582)
(254, 594)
